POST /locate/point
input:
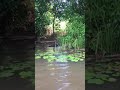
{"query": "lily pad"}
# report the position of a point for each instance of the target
(7, 73)
(112, 79)
(95, 81)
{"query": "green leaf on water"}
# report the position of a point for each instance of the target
(7, 73)
(116, 74)
(37, 57)
(89, 75)
(45, 57)
(81, 59)
(112, 79)
(109, 72)
(95, 81)
(26, 74)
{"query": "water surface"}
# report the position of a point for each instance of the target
(59, 75)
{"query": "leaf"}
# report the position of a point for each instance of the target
(95, 81)
(89, 75)
(81, 59)
(45, 57)
(116, 74)
(112, 79)
(7, 73)
(26, 74)
(37, 57)
(102, 76)
(109, 72)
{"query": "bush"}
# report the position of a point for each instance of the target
(75, 37)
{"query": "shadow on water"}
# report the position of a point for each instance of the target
(58, 75)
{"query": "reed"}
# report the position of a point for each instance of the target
(102, 26)
(75, 34)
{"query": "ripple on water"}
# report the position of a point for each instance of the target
(60, 76)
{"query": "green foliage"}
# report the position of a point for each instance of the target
(62, 57)
(57, 25)
(102, 73)
(112, 79)
(46, 13)
(102, 29)
(27, 75)
(96, 81)
(74, 13)
(14, 14)
(6, 73)
(41, 16)
(24, 70)
(75, 37)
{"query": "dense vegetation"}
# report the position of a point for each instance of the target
(55, 12)
(102, 26)
(102, 38)
(93, 25)
(16, 17)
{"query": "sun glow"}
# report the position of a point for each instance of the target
(63, 25)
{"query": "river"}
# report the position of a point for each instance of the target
(59, 75)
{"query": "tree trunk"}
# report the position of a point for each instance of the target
(54, 24)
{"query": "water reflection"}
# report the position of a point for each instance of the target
(59, 76)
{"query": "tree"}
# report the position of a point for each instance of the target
(41, 7)
(14, 15)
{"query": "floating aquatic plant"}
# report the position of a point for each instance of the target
(63, 57)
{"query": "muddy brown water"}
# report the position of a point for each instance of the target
(59, 75)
